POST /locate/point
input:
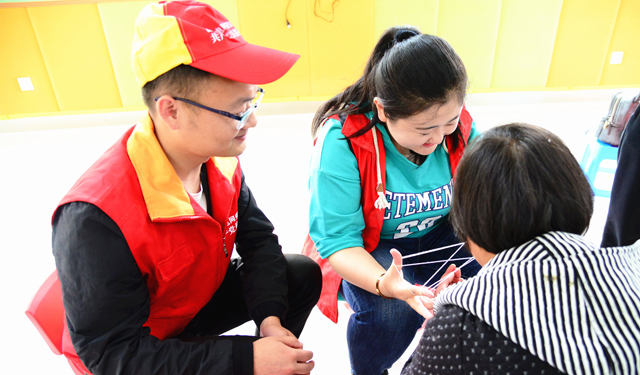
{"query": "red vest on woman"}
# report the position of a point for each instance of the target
(175, 243)
(365, 152)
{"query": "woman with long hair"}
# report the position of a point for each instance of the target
(381, 178)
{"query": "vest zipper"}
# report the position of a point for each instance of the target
(224, 246)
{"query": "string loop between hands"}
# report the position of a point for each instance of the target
(444, 263)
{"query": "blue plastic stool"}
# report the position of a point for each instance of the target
(595, 153)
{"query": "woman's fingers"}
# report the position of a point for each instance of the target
(397, 260)
(392, 284)
(420, 290)
(422, 305)
(419, 298)
(396, 286)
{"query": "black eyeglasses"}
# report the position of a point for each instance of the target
(242, 118)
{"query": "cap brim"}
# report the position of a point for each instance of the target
(249, 63)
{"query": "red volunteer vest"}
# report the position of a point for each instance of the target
(175, 243)
(364, 151)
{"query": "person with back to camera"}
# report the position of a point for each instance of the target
(381, 177)
(622, 227)
(143, 241)
(546, 301)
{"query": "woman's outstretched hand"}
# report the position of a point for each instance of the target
(393, 284)
(420, 298)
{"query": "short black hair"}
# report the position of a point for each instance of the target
(182, 81)
(519, 181)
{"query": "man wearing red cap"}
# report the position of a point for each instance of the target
(143, 240)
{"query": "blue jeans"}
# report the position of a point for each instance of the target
(380, 330)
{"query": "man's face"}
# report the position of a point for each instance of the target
(208, 134)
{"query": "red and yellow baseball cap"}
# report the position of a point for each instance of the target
(193, 33)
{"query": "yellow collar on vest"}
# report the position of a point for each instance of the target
(163, 192)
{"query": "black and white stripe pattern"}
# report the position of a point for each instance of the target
(571, 304)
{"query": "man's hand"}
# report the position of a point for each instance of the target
(281, 355)
(271, 326)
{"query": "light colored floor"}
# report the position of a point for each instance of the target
(39, 166)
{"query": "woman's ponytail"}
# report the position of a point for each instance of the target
(358, 98)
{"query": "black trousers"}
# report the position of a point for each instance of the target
(227, 310)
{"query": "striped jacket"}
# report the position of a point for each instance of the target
(567, 302)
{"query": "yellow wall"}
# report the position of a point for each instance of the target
(471, 27)
(118, 21)
(338, 50)
(582, 42)
(273, 32)
(73, 45)
(525, 43)
(626, 37)
(78, 55)
(420, 13)
(20, 56)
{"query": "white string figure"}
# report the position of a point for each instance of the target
(444, 263)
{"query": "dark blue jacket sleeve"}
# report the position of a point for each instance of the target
(264, 268)
(622, 227)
